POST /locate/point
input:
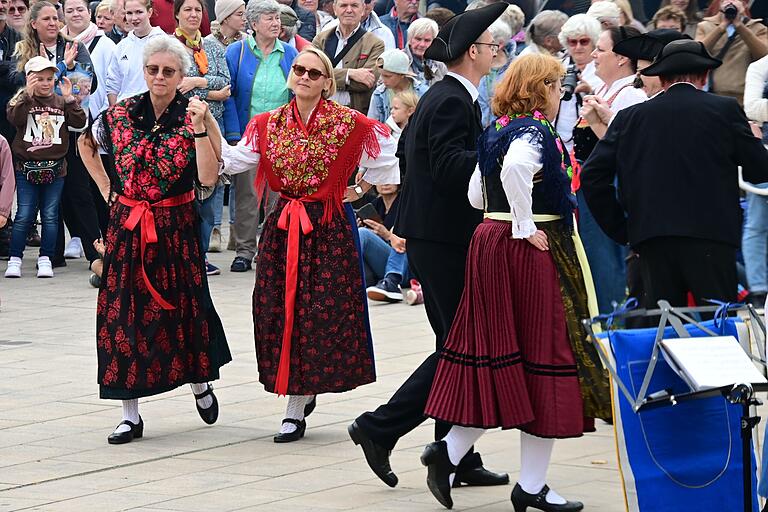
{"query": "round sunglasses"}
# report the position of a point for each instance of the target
(153, 70)
(314, 74)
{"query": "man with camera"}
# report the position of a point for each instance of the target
(730, 35)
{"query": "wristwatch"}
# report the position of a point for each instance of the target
(359, 191)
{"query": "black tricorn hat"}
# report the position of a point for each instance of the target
(459, 32)
(648, 46)
(680, 57)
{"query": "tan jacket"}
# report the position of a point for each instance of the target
(363, 54)
(728, 79)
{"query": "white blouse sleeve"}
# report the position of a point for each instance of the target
(239, 158)
(755, 105)
(521, 163)
(475, 192)
(384, 169)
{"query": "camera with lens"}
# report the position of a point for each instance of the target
(730, 12)
(570, 81)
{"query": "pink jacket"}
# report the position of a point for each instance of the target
(7, 178)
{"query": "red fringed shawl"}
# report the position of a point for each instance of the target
(312, 162)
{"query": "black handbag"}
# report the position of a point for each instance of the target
(41, 172)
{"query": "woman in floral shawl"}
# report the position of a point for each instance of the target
(156, 325)
(516, 355)
(309, 306)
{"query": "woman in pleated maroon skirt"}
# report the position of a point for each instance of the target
(516, 356)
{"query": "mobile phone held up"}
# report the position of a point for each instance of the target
(368, 212)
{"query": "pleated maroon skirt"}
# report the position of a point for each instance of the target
(507, 361)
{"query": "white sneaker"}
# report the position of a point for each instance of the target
(14, 267)
(74, 249)
(44, 267)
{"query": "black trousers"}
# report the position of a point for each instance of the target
(439, 268)
(673, 266)
(79, 206)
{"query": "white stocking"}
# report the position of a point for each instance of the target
(130, 413)
(458, 441)
(295, 411)
(206, 401)
(535, 453)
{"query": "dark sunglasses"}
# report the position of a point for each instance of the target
(20, 10)
(585, 41)
(314, 74)
(153, 70)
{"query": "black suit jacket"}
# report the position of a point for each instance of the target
(441, 154)
(676, 159)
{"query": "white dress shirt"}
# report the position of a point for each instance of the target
(342, 97)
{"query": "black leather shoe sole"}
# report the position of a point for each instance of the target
(376, 456)
(439, 469)
(136, 432)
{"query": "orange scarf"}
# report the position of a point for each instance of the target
(196, 45)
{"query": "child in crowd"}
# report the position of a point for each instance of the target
(43, 121)
(396, 76)
(402, 108)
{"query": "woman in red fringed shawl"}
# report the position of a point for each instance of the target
(309, 307)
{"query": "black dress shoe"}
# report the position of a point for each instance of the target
(301, 427)
(136, 432)
(211, 413)
(521, 500)
(310, 406)
(479, 477)
(439, 469)
(376, 455)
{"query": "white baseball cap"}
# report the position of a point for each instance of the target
(37, 64)
(395, 61)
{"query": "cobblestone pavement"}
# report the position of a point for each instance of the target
(53, 427)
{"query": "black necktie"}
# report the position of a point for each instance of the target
(478, 112)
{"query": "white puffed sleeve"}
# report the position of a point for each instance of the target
(475, 192)
(239, 158)
(384, 169)
(521, 163)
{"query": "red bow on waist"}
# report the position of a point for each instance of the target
(141, 211)
(293, 217)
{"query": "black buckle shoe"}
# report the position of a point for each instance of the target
(310, 407)
(301, 427)
(439, 469)
(521, 500)
(479, 477)
(376, 455)
(136, 432)
(211, 413)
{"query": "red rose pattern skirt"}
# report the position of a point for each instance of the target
(508, 361)
(331, 347)
(143, 349)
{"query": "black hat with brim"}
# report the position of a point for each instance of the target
(648, 46)
(461, 31)
(680, 57)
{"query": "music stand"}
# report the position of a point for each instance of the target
(738, 393)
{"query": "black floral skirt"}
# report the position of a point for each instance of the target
(142, 348)
(331, 345)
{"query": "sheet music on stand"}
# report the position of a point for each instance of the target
(710, 362)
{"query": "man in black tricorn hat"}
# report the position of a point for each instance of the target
(437, 220)
(676, 159)
(644, 49)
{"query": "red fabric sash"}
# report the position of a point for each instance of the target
(293, 217)
(141, 211)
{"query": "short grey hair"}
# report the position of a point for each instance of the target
(545, 24)
(514, 17)
(580, 25)
(422, 26)
(168, 44)
(258, 7)
(500, 31)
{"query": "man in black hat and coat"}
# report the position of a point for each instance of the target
(676, 158)
(437, 220)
